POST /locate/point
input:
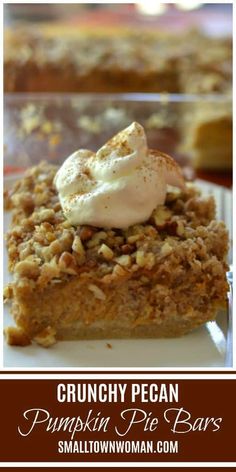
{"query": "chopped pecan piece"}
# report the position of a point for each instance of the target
(106, 252)
(27, 268)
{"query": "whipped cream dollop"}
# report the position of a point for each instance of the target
(119, 185)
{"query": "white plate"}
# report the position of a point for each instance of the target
(204, 348)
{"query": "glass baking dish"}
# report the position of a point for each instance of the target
(51, 126)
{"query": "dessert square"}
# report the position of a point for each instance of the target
(207, 137)
(162, 276)
(61, 58)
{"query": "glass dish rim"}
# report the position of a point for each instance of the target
(122, 97)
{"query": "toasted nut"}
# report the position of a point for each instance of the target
(57, 207)
(17, 231)
(50, 237)
(47, 337)
(17, 199)
(107, 279)
(171, 228)
(13, 253)
(27, 224)
(128, 248)
(46, 215)
(55, 247)
(65, 259)
(106, 252)
(98, 293)
(66, 224)
(150, 260)
(118, 240)
(118, 271)
(27, 269)
(150, 231)
(16, 336)
(166, 249)
(180, 228)
(77, 246)
(25, 200)
(161, 215)
(66, 240)
(134, 238)
(86, 232)
(146, 260)
(46, 226)
(173, 195)
(124, 260)
(41, 198)
(25, 250)
(97, 238)
(40, 188)
(39, 237)
(100, 235)
(50, 270)
(67, 263)
(7, 293)
(140, 258)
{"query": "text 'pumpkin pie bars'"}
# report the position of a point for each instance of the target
(113, 244)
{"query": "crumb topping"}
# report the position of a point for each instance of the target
(44, 248)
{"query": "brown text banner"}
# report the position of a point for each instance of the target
(118, 420)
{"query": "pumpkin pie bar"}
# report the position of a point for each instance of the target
(61, 58)
(207, 136)
(112, 244)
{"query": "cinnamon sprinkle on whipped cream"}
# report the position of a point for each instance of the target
(118, 186)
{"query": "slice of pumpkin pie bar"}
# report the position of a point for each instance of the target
(112, 244)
